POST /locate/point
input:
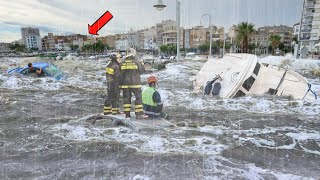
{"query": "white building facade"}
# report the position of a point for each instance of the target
(31, 38)
(150, 39)
(122, 44)
(309, 34)
(296, 30)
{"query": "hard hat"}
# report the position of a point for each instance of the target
(114, 56)
(152, 79)
(118, 55)
(131, 53)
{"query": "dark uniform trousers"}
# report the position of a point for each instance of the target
(127, 95)
(111, 105)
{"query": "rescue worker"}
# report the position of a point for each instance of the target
(151, 99)
(131, 69)
(111, 105)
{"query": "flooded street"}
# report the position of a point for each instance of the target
(43, 134)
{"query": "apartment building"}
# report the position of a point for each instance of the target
(59, 42)
(5, 46)
(110, 41)
(296, 30)
(199, 36)
(170, 33)
(159, 29)
(150, 39)
(310, 22)
(132, 37)
(31, 37)
(122, 44)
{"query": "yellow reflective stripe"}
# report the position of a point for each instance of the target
(130, 86)
(127, 105)
(107, 111)
(138, 110)
(127, 109)
(107, 107)
(129, 67)
(138, 106)
(110, 71)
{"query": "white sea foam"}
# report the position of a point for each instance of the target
(226, 169)
(303, 136)
(140, 177)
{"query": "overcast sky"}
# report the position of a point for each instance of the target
(73, 16)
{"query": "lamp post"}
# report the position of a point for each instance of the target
(210, 28)
(224, 39)
(224, 43)
(160, 6)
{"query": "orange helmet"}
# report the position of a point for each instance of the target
(152, 79)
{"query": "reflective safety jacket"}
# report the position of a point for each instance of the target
(151, 101)
(113, 74)
(130, 70)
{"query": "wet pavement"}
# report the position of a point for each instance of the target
(43, 135)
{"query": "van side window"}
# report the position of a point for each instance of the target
(256, 69)
(239, 94)
(248, 83)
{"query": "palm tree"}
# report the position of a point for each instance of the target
(244, 31)
(275, 40)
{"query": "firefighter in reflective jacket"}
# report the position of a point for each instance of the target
(131, 69)
(111, 105)
(151, 99)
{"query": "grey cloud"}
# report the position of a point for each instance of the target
(74, 15)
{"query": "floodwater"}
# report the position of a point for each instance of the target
(43, 134)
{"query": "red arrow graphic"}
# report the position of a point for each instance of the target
(103, 20)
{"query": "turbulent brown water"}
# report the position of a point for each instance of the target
(43, 134)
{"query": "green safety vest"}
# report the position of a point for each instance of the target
(147, 94)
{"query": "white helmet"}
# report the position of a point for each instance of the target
(131, 53)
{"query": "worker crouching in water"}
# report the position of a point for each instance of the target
(152, 105)
(111, 105)
(131, 69)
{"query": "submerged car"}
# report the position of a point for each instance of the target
(49, 70)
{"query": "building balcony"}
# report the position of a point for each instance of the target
(306, 30)
(307, 22)
(310, 5)
(308, 14)
(305, 38)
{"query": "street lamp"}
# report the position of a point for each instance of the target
(210, 27)
(160, 6)
(224, 39)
